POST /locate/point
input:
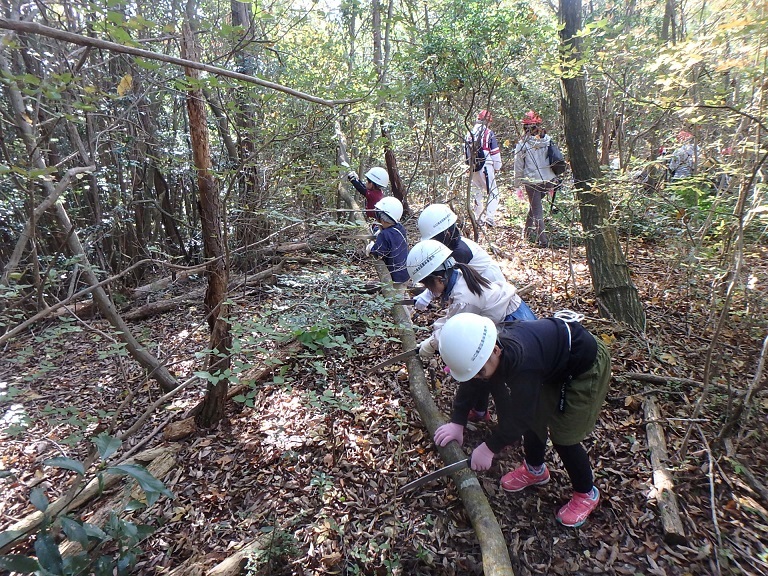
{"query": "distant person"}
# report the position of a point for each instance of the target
(482, 149)
(377, 180)
(534, 175)
(683, 162)
(548, 379)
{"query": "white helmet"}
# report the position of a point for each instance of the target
(426, 257)
(391, 206)
(466, 343)
(434, 219)
(378, 176)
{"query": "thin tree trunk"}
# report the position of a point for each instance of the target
(138, 352)
(213, 239)
(617, 296)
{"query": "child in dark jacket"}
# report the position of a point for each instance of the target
(390, 243)
(377, 180)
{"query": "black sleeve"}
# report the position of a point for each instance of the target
(514, 415)
(464, 401)
(462, 253)
(359, 186)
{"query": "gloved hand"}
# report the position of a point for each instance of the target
(423, 300)
(375, 229)
(482, 457)
(345, 164)
(352, 175)
(448, 433)
(369, 248)
(427, 350)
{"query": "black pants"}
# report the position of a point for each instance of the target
(574, 459)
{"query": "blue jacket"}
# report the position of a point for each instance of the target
(392, 246)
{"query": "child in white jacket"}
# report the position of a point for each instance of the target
(463, 290)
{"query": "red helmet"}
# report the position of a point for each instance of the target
(485, 116)
(531, 118)
(682, 136)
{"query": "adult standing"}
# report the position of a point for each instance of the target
(534, 174)
(481, 150)
(684, 158)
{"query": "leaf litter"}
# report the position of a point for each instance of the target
(320, 454)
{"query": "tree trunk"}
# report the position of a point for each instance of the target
(616, 295)
(213, 239)
(155, 369)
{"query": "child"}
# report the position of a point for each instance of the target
(377, 180)
(390, 243)
(438, 222)
(463, 289)
(547, 377)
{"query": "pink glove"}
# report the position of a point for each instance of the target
(449, 432)
(482, 457)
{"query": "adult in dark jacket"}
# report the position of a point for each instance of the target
(548, 378)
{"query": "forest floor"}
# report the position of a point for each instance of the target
(312, 458)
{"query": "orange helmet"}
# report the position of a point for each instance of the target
(485, 116)
(531, 118)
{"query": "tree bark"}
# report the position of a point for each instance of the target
(213, 238)
(616, 295)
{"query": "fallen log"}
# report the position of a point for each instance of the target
(493, 545)
(158, 467)
(95, 487)
(196, 296)
(663, 484)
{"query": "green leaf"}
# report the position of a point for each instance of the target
(19, 563)
(9, 536)
(66, 463)
(48, 554)
(94, 532)
(106, 445)
(39, 499)
(152, 486)
(74, 530)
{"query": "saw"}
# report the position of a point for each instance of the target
(445, 471)
(393, 360)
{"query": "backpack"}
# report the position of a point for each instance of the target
(556, 159)
(473, 148)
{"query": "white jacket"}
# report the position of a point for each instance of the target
(496, 302)
(531, 164)
(483, 264)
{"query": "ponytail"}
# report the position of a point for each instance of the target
(475, 282)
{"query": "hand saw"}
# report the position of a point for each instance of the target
(393, 360)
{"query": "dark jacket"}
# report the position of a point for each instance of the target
(535, 354)
(392, 246)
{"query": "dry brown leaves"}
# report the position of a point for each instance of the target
(317, 461)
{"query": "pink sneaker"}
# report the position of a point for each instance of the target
(521, 478)
(575, 513)
(474, 416)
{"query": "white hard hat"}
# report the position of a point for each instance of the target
(434, 219)
(391, 206)
(466, 343)
(426, 257)
(378, 176)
